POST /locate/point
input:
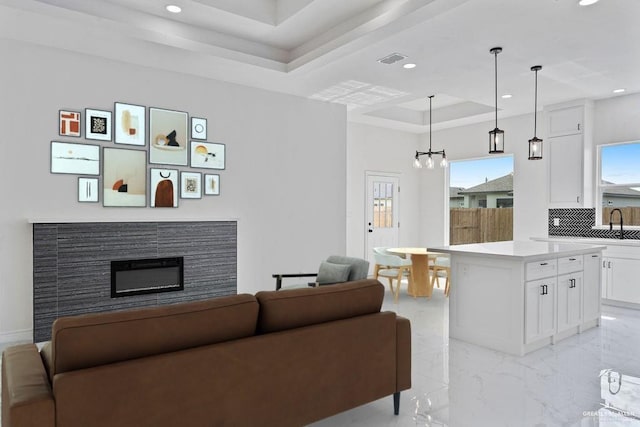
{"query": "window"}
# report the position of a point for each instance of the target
(619, 185)
(481, 200)
(382, 204)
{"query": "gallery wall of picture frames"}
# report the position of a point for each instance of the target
(130, 139)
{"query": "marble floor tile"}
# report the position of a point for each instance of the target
(463, 385)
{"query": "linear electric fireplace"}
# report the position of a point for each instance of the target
(145, 276)
(72, 265)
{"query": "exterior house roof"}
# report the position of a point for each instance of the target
(504, 184)
(455, 192)
(620, 191)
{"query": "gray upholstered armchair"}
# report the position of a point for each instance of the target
(336, 269)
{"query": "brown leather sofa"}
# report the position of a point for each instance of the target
(284, 358)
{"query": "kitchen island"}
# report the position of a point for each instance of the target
(519, 296)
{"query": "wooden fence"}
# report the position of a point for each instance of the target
(479, 225)
(630, 216)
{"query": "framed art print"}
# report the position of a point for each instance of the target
(97, 124)
(167, 137)
(69, 123)
(124, 178)
(211, 185)
(87, 189)
(130, 124)
(190, 185)
(208, 155)
(79, 159)
(198, 128)
(164, 188)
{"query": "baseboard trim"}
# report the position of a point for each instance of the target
(16, 336)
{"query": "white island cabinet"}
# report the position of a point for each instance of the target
(520, 296)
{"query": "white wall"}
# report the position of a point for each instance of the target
(285, 180)
(375, 149)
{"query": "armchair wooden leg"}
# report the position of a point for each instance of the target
(398, 284)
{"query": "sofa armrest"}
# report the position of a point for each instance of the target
(27, 399)
(403, 353)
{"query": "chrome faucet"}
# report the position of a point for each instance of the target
(611, 222)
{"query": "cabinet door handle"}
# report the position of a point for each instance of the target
(604, 264)
(542, 289)
(572, 259)
(577, 199)
(544, 263)
(609, 266)
(594, 256)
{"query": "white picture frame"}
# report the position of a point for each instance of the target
(129, 124)
(97, 124)
(211, 185)
(190, 185)
(198, 128)
(208, 155)
(88, 190)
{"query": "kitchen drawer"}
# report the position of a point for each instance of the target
(541, 269)
(570, 264)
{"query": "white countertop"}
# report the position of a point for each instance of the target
(524, 250)
(589, 240)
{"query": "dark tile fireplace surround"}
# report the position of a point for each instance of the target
(577, 222)
(72, 264)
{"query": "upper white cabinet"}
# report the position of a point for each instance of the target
(565, 121)
(570, 151)
(566, 182)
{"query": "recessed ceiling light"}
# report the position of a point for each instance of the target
(174, 9)
(409, 66)
(618, 90)
(507, 96)
(587, 2)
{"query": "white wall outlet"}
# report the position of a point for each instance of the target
(556, 222)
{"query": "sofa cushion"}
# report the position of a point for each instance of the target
(332, 273)
(96, 339)
(294, 308)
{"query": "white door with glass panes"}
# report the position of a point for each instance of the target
(382, 219)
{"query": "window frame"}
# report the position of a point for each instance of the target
(600, 187)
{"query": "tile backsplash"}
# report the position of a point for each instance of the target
(577, 222)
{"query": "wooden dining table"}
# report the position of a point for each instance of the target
(420, 286)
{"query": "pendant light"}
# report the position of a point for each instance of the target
(496, 136)
(535, 143)
(429, 163)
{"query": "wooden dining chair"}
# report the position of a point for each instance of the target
(393, 268)
(441, 268)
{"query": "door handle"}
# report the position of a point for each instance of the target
(542, 289)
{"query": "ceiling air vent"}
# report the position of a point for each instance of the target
(392, 59)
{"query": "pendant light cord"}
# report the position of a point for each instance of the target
(430, 98)
(535, 108)
(495, 55)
